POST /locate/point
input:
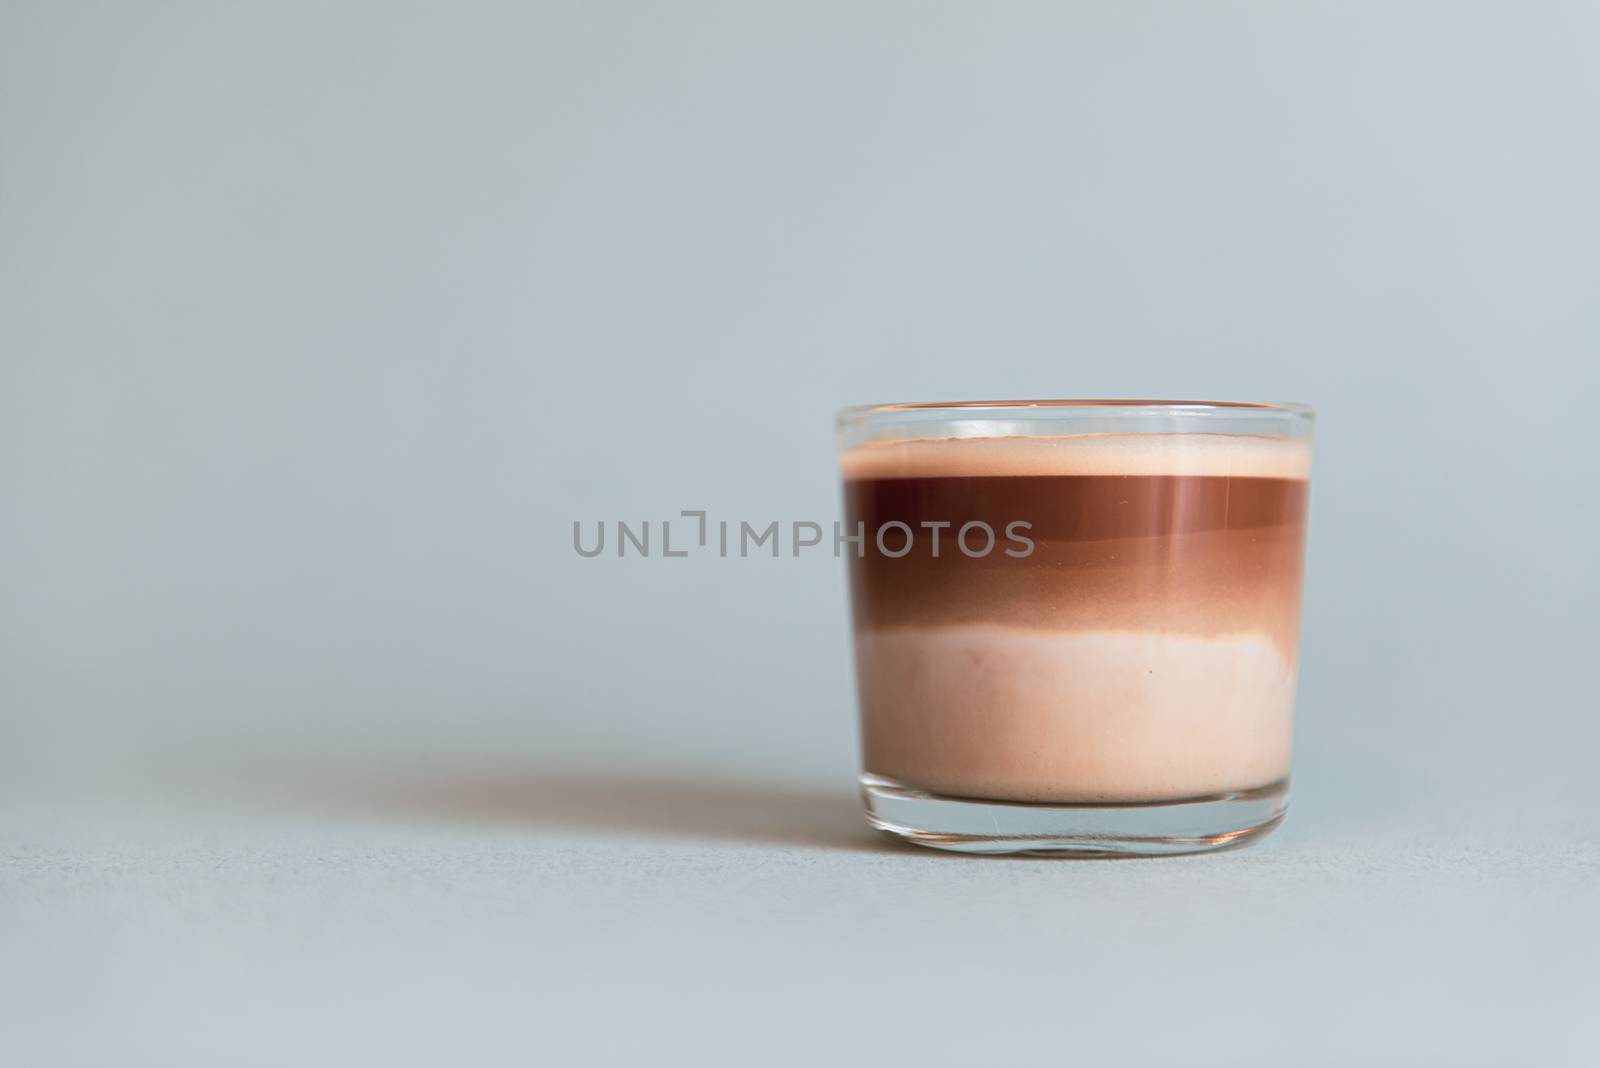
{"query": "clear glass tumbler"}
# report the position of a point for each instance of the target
(1076, 622)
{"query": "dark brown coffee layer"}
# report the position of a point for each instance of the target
(1196, 554)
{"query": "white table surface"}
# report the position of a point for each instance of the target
(501, 920)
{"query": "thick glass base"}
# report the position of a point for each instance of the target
(1126, 829)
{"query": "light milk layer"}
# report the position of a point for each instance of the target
(985, 711)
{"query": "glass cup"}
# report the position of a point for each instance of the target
(1076, 622)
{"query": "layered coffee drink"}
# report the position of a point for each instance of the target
(1077, 618)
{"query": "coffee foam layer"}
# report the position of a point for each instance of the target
(1236, 455)
(1085, 715)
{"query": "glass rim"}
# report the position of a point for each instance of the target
(1122, 406)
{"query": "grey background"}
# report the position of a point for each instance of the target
(321, 324)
